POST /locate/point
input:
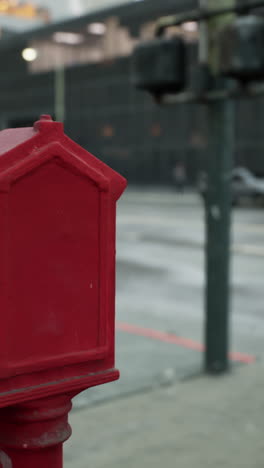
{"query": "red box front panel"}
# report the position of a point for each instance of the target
(53, 269)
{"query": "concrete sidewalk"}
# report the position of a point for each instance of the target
(198, 423)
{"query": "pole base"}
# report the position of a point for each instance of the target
(32, 434)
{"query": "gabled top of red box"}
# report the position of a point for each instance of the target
(18, 141)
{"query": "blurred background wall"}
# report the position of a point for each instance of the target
(82, 66)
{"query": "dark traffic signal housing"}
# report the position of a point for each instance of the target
(159, 65)
(242, 49)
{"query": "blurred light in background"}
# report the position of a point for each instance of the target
(190, 26)
(68, 38)
(29, 54)
(96, 28)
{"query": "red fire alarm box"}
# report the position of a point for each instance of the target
(57, 270)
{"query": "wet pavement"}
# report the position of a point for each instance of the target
(160, 290)
(202, 422)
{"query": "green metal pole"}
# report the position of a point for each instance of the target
(59, 91)
(218, 210)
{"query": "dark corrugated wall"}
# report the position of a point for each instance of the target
(121, 125)
(126, 128)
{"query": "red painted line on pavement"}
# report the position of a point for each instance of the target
(178, 340)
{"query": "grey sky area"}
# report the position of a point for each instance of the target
(59, 9)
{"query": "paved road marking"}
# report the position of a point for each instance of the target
(181, 223)
(248, 249)
(179, 341)
(242, 249)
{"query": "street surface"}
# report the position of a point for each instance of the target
(160, 291)
(202, 422)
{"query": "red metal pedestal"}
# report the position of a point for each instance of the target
(32, 434)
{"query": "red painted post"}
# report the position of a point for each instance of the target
(57, 287)
(32, 434)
